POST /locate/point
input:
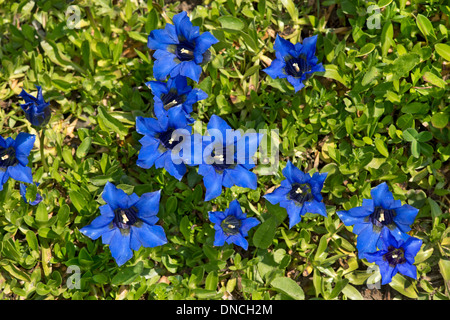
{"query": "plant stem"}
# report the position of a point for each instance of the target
(41, 147)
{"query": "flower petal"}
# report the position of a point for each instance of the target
(239, 176)
(24, 142)
(20, 173)
(279, 194)
(164, 65)
(148, 205)
(247, 224)
(212, 181)
(150, 236)
(160, 39)
(120, 246)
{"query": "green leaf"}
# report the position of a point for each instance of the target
(338, 287)
(84, 147)
(106, 119)
(231, 23)
(185, 228)
(128, 275)
(403, 286)
(291, 9)
(333, 72)
(444, 267)
(434, 80)
(366, 49)
(288, 287)
(212, 280)
(352, 293)
(32, 240)
(403, 65)
(443, 50)
(78, 200)
(425, 26)
(381, 147)
(410, 134)
(440, 120)
(424, 136)
(263, 236)
(416, 107)
(321, 252)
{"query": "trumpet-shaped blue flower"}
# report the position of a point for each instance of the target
(224, 157)
(299, 193)
(395, 256)
(162, 141)
(380, 213)
(232, 225)
(180, 49)
(296, 62)
(23, 192)
(14, 155)
(127, 222)
(37, 111)
(174, 92)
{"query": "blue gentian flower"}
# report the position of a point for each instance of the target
(175, 92)
(162, 141)
(180, 49)
(14, 158)
(23, 192)
(380, 213)
(127, 222)
(299, 193)
(37, 111)
(296, 62)
(232, 225)
(226, 157)
(395, 256)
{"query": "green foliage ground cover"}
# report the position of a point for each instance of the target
(378, 113)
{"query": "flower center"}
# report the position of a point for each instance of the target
(382, 217)
(300, 193)
(8, 157)
(124, 218)
(231, 225)
(168, 140)
(297, 66)
(395, 256)
(172, 99)
(220, 159)
(185, 51)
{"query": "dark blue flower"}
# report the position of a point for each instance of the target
(380, 213)
(299, 193)
(395, 256)
(37, 111)
(23, 192)
(127, 222)
(224, 157)
(180, 49)
(296, 62)
(174, 92)
(14, 158)
(232, 225)
(162, 141)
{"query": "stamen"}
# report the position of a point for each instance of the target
(231, 226)
(299, 190)
(6, 156)
(125, 218)
(394, 256)
(295, 65)
(381, 219)
(185, 51)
